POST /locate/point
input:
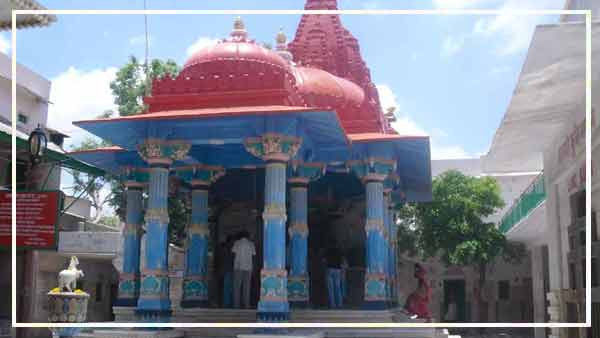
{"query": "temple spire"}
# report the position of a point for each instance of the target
(239, 32)
(281, 46)
(321, 4)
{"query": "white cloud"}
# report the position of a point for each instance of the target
(4, 44)
(451, 46)
(514, 31)
(140, 39)
(201, 43)
(79, 95)
(405, 125)
(458, 4)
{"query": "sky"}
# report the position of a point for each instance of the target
(450, 77)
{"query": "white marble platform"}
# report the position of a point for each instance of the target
(308, 335)
(132, 334)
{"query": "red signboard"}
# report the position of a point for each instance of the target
(37, 215)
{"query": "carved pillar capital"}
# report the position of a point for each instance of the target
(199, 176)
(273, 147)
(302, 173)
(162, 152)
(134, 177)
(372, 169)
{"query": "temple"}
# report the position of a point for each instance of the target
(293, 139)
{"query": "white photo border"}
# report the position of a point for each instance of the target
(588, 163)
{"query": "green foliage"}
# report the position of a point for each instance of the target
(129, 88)
(131, 84)
(111, 221)
(179, 217)
(407, 235)
(89, 186)
(453, 225)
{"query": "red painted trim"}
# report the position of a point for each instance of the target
(111, 149)
(209, 113)
(369, 137)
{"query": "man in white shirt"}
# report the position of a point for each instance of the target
(244, 252)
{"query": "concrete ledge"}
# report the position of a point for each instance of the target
(193, 315)
(133, 334)
(258, 335)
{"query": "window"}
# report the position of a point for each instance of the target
(594, 228)
(578, 205)
(22, 118)
(504, 290)
(582, 238)
(98, 292)
(583, 273)
(572, 242)
(595, 272)
(580, 212)
(572, 276)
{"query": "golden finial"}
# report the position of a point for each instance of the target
(238, 25)
(281, 38)
(239, 30)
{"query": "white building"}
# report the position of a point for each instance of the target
(544, 130)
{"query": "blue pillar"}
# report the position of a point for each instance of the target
(129, 278)
(154, 294)
(195, 281)
(391, 183)
(394, 267)
(273, 303)
(373, 173)
(386, 246)
(276, 150)
(375, 273)
(154, 303)
(300, 175)
(298, 286)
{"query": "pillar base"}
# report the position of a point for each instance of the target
(375, 305)
(299, 304)
(126, 302)
(270, 317)
(194, 303)
(66, 332)
(273, 311)
(153, 316)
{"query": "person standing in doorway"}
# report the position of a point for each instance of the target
(333, 260)
(244, 251)
(344, 278)
(225, 268)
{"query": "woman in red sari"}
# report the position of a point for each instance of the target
(418, 301)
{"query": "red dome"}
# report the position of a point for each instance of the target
(234, 70)
(319, 88)
(244, 51)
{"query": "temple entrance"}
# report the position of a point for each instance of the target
(454, 309)
(336, 219)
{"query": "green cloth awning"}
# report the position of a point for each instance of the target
(53, 155)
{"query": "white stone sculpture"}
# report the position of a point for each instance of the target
(67, 279)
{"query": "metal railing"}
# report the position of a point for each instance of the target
(530, 199)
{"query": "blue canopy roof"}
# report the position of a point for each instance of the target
(218, 139)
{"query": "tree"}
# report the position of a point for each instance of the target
(129, 87)
(131, 83)
(453, 225)
(90, 186)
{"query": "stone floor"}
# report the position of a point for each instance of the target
(507, 332)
